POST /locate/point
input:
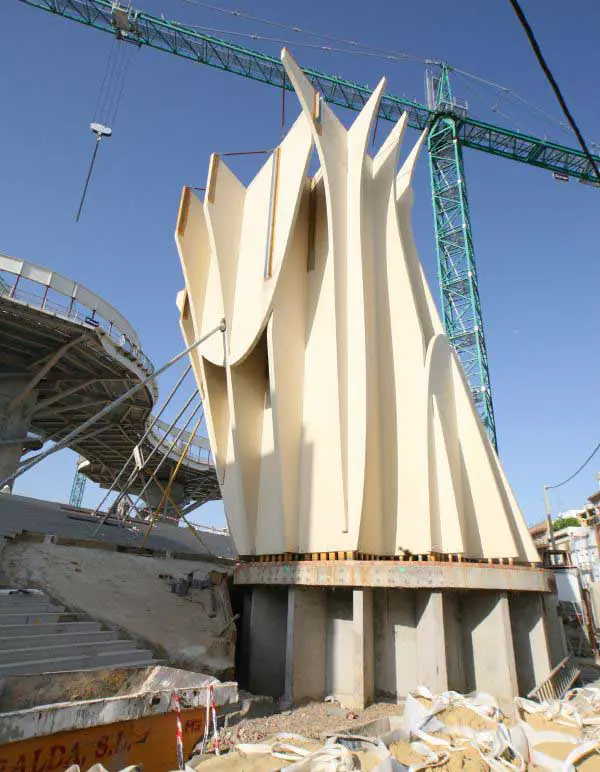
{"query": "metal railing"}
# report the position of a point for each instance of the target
(558, 683)
(199, 527)
(198, 451)
(74, 310)
(556, 559)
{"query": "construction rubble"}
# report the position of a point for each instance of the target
(449, 731)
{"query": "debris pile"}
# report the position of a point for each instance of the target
(457, 732)
(563, 735)
(340, 753)
(449, 732)
(472, 734)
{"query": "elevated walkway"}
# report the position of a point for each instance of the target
(64, 354)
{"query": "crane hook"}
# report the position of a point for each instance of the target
(100, 131)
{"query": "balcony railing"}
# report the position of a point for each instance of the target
(44, 296)
(198, 451)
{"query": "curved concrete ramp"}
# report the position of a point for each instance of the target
(64, 354)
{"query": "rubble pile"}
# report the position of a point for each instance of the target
(449, 732)
(563, 735)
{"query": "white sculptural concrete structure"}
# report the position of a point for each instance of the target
(342, 425)
(338, 413)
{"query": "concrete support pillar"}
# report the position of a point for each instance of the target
(489, 658)
(154, 494)
(396, 655)
(555, 630)
(305, 650)
(14, 424)
(267, 644)
(431, 640)
(532, 656)
(453, 626)
(363, 660)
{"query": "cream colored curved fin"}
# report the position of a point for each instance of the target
(402, 368)
(271, 206)
(432, 324)
(330, 139)
(445, 465)
(224, 211)
(344, 188)
(353, 338)
(378, 528)
(201, 274)
(491, 527)
(340, 417)
(391, 145)
(378, 523)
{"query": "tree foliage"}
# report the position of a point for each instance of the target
(565, 522)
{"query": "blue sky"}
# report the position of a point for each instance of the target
(535, 239)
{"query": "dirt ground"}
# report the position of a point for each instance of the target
(126, 591)
(309, 719)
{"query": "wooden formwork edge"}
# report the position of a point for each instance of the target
(407, 557)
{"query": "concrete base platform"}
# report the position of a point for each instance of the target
(359, 642)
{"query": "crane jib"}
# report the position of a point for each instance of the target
(188, 43)
(450, 130)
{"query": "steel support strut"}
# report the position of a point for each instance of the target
(461, 307)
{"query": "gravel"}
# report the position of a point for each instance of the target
(309, 719)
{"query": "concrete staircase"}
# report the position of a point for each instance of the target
(38, 636)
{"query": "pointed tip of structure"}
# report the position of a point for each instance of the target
(392, 141)
(404, 177)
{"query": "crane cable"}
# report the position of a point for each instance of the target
(113, 83)
(107, 104)
(290, 28)
(369, 50)
(520, 103)
(533, 108)
(554, 85)
(299, 43)
(495, 107)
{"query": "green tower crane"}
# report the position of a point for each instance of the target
(77, 489)
(461, 307)
(450, 130)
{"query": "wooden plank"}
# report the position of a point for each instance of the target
(184, 205)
